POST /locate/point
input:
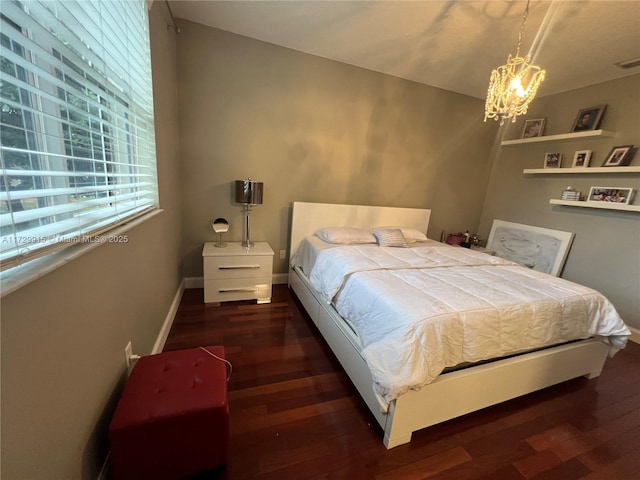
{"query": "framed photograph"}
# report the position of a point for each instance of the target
(619, 156)
(537, 248)
(581, 159)
(533, 128)
(553, 160)
(589, 118)
(610, 194)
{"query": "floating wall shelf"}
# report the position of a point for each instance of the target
(557, 171)
(601, 205)
(559, 138)
(564, 137)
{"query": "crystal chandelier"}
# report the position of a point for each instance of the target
(513, 86)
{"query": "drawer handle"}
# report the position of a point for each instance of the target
(238, 267)
(245, 289)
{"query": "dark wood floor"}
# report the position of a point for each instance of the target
(295, 414)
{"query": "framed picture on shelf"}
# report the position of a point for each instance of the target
(611, 195)
(619, 156)
(553, 160)
(589, 118)
(533, 128)
(581, 159)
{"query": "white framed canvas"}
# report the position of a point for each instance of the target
(538, 248)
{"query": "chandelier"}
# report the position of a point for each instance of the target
(513, 86)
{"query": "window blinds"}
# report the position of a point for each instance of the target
(77, 133)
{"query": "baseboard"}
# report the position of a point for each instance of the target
(168, 320)
(280, 278)
(635, 335)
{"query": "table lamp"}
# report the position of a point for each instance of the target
(249, 193)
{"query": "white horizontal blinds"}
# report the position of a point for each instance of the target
(77, 136)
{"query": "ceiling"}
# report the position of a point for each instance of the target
(452, 45)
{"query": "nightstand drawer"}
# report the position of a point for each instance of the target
(238, 289)
(237, 266)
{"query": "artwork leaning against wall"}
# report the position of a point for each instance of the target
(540, 249)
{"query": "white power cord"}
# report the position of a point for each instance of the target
(222, 360)
(134, 358)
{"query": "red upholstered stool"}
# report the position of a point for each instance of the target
(173, 418)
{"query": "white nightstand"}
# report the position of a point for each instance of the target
(235, 272)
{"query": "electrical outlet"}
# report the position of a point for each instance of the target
(283, 254)
(128, 351)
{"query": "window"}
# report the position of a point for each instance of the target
(76, 131)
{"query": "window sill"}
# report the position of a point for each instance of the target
(17, 277)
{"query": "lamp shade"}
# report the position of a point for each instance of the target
(249, 192)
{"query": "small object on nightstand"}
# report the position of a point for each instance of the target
(455, 238)
(466, 243)
(220, 226)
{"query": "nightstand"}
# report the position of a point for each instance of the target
(235, 272)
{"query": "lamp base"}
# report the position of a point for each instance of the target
(246, 240)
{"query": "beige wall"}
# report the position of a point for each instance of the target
(317, 130)
(605, 253)
(63, 336)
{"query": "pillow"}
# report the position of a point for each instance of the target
(390, 237)
(345, 235)
(411, 235)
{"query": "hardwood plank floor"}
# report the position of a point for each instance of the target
(296, 415)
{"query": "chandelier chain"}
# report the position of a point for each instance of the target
(524, 21)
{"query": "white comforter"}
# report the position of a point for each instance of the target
(419, 310)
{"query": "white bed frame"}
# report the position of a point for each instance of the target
(452, 394)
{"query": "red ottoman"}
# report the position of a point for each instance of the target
(173, 417)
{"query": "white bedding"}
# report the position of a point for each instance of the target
(308, 251)
(419, 310)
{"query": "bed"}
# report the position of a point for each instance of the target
(404, 408)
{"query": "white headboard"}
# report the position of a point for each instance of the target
(308, 217)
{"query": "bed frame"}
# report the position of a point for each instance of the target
(452, 394)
